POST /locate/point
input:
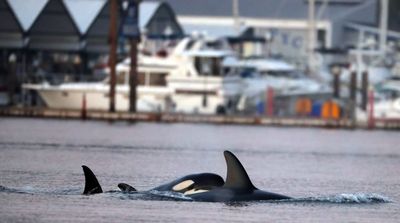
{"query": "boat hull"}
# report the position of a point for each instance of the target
(97, 97)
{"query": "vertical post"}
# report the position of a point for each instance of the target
(336, 82)
(311, 35)
(12, 77)
(364, 90)
(353, 95)
(113, 51)
(270, 102)
(353, 86)
(133, 76)
(83, 108)
(130, 30)
(371, 119)
(383, 25)
(235, 13)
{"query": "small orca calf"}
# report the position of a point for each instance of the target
(126, 187)
(208, 187)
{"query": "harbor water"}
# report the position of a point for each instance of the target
(333, 175)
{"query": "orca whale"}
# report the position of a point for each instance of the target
(191, 183)
(207, 187)
(92, 185)
(237, 187)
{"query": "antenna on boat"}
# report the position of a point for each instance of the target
(311, 36)
(236, 16)
(383, 26)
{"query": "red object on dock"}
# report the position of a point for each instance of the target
(270, 102)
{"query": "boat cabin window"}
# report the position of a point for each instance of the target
(152, 79)
(122, 78)
(147, 79)
(190, 45)
(208, 66)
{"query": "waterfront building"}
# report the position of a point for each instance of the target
(284, 24)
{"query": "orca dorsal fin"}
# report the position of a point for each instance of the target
(126, 187)
(236, 176)
(92, 185)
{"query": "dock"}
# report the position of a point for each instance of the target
(344, 123)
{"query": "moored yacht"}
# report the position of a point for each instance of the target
(153, 93)
(191, 79)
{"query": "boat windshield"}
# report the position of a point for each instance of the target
(209, 66)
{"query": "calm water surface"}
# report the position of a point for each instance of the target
(337, 175)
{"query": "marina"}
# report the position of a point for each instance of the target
(199, 111)
(174, 63)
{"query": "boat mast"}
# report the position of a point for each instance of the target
(383, 26)
(113, 51)
(236, 17)
(311, 36)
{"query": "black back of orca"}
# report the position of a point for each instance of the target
(237, 187)
(193, 182)
(92, 185)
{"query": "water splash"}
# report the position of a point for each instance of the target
(170, 195)
(13, 190)
(33, 190)
(346, 198)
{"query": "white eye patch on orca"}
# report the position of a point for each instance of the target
(183, 185)
(194, 191)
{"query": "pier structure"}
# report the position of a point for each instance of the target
(343, 123)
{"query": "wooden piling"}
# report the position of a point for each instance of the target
(364, 90)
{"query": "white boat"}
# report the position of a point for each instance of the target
(152, 91)
(201, 85)
(191, 79)
(259, 74)
(278, 74)
(386, 102)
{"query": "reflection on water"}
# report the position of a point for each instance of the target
(325, 170)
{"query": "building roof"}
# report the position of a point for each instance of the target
(54, 29)
(146, 12)
(83, 12)
(63, 24)
(27, 11)
(54, 19)
(9, 22)
(10, 29)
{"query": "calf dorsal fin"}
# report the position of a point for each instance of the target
(236, 176)
(126, 187)
(92, 185)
